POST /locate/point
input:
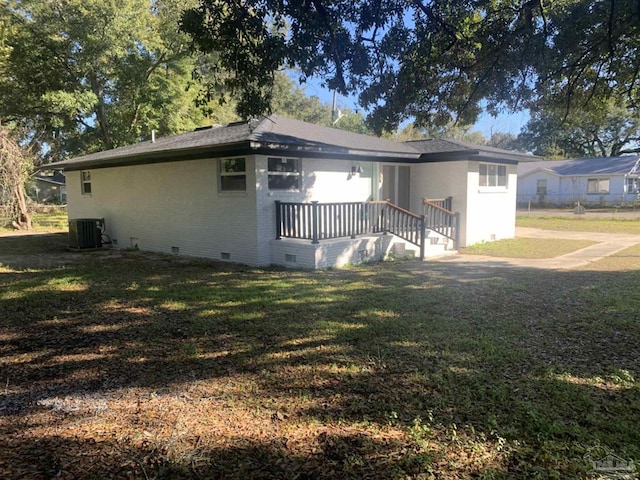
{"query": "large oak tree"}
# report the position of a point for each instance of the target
(600, 128)
(433, 60)
(85, 75)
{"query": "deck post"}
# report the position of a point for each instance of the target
(354, 220)
(456, 244)
(278, 221)
(385, 230)
(423, 235)
(314, 222)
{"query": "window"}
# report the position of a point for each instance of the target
(493, 175)
(633, 185)
(541, 187)
(86, 182)
(284, 173)
(597, 186)
(233, 175)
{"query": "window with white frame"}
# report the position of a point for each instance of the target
(85, 177)
(541, 186)
(492, 175)
(284, 173)
(233, 175)
(633, 185)
(597, 186)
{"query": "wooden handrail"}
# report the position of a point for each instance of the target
(439, 202)
(400, 209)
(438, 207)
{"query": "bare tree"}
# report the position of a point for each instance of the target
(15, 165)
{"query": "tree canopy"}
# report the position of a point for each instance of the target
(83, 75)
(430, 60)
(290, 100)
(603, 128)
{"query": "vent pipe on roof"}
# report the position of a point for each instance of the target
(336, 114)
(153, 136)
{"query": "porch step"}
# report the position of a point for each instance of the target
(436, 246)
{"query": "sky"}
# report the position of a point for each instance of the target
(486, 124)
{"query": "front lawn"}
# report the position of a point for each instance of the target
(132, 365)
(527, 247)
(579, 223)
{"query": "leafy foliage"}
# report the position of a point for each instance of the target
(430, 60)
(451, 130)
(601, 128)
(291, 101)
(91, 74)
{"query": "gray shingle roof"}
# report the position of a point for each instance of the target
(526, 168)
(436, 146)
(294, 132)
(230, 134)
(275, 132)
(623, 165)
(56, 178)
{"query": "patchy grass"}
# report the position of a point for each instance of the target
(131, 365)
(53, 221)
(627, 259)
(527, 247)
(581, 224)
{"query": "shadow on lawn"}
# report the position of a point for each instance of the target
(542, 361)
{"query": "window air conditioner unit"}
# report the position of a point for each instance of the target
(85, 233)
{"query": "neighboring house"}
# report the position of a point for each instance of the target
(588, 181)
(48, 187)
(281, 191)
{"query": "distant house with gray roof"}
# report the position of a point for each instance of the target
(589, 181)
(280, 191)
(48, 187)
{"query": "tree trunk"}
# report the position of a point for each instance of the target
(21, 217)
(15, 165)
(101, 114)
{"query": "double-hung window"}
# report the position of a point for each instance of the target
(541, 186)
(85, 182)
(233, 175)
(284, 173)
(597, 186)
(492, 175)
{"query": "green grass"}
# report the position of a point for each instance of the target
(627, 259)
(527, 247)
(132, 365)
(581, 224)
(53, 221)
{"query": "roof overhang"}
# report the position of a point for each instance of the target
(236, 149)
(468, 154)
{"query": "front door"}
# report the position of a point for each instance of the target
(396, 185)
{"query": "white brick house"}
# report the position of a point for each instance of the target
(213, 192)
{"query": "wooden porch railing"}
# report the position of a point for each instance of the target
(406, 225)
(322, 221)
(440, 202)
(441, 219)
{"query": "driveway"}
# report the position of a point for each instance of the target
(609, 244)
